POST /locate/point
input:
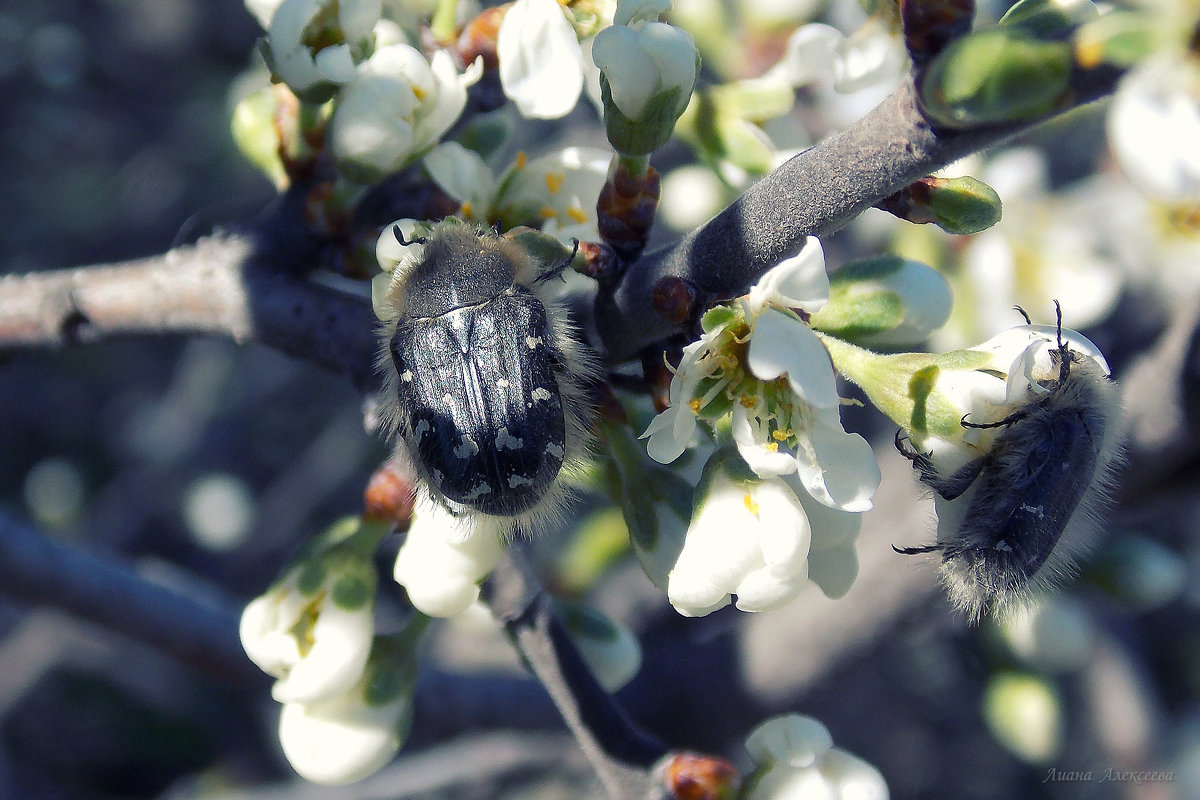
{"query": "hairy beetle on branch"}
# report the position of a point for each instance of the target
(486, 379)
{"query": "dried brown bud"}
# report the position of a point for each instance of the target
(389, 496)
(930, 25)
(625, 210)
(695, 776)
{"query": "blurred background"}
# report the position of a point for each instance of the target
(205, 464)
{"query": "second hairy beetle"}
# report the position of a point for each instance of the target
(485, 378)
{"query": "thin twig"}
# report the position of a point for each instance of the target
(620, 752)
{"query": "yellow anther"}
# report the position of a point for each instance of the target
(547, 212)
(522, 159)
(554, 181)
(751, 506)
(576, 213)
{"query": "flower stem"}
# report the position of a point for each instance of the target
(444, 24)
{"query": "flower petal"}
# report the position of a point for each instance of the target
(755, 450)
(541, 66)
(341, 642)
(783, 344)
(837, 468)
(461, 173)
(796, 282)
(341, 740)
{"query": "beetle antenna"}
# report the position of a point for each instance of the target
(1021, 311)
(558, 269)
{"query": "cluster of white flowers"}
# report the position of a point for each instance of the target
(753, 535)
(346, 694)
(794, 758)
(391, 102)
(558, 189)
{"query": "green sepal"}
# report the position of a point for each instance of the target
(651, 130)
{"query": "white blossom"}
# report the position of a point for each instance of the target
(396, 107)
(747, 538)
(314, 639)
(832, 561)
(559, 188)
(641, 57)
(541, 64)
(345, 738)
(873, 55)
(344, 34)
(340, 740)
(992, 388)
(444, 558)
(789, 422)
(795, 759)
(1154, 125)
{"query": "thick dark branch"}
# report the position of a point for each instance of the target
(39, 571)
(620, 752)
(221, 285)
(817, 192)
(203, 632)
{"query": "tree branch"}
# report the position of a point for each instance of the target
(223, 284)
(620, 752)
(231, 284)
(815, 193)
(203, 633)
(37, 570)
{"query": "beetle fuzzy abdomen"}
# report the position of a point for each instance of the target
(1012, 522)
(1033, 498)
(480, 405)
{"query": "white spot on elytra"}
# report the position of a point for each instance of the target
(515, 480)
(1037, 511)
(506, 441)
(555, 451)
(532, 342)
(503, 384)
(406, 376)
(467, 448)
(448, 399)
(540, 394)
(477, 491)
